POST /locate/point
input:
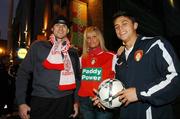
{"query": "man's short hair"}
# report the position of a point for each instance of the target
(125, 14)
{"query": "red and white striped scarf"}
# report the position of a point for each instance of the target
(59, 59)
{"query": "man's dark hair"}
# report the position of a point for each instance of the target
(125, 14)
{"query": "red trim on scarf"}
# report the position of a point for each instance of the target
(49, 65)
(67, 87)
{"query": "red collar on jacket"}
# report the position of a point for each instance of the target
(95, 51)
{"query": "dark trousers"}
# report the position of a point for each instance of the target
(47, 108)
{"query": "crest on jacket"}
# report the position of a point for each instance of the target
(138, 55)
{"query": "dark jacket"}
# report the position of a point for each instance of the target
(44, 82)
(154, 74)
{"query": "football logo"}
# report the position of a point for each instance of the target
(138, 55)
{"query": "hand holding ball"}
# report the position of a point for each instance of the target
(107, 93)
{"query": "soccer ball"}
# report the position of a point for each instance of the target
(107, 91)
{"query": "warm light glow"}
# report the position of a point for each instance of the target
(45, 20)
(171, 3)
(19, 40)
(22, 53)
(25, 31)
(28, 43)
(92, 1)
(2, 51)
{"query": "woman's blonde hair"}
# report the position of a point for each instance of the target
(98, 35)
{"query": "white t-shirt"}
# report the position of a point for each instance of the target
(127, 52)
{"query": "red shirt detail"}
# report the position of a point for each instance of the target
(103, 60)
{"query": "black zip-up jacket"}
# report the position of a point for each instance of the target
(153, 69)
(44, 82)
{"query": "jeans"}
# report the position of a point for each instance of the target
(89, 111)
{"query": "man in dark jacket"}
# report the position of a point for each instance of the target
(149, 69)
(54, 66)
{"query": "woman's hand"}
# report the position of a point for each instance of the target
(96, 100)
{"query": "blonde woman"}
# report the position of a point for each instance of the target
(97, 64)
